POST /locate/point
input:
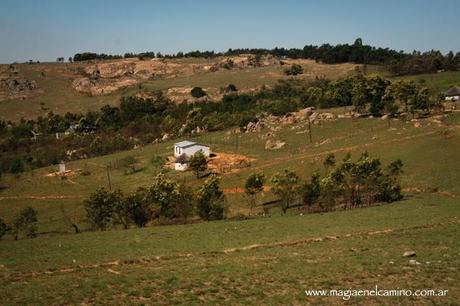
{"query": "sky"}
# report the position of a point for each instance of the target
(46, 29)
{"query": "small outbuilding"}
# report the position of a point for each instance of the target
(189, 148)
(453, 94)
(184, 150)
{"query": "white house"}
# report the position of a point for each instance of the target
(184, 150)
(453, 94)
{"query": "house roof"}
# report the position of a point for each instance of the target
(454, 91)
(184, 144)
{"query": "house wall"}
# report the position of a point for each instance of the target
(193, 149)
(177, 151)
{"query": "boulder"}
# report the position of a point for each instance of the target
(409, 254)
(274, 144)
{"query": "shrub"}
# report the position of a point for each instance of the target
(26, 221)
(164, 193)
(157, 161)
(295, 69)
(198, 92)
(311, 191)
(100, 207)
(137, 207)
(198, 163)
(185, 203)
(286, 186)
(253, 186)
(210, 200)
(231, 88)
(4, 228)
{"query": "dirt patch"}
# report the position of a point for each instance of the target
(221, 162)
(44, 198)
(229, 163)
(66, 173)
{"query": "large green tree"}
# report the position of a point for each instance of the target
(211, 200)
(286, 186)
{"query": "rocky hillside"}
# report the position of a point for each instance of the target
(104, 77)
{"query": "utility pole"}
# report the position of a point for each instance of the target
(108, 178)
(236, 141)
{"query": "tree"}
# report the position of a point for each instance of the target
(4, 228)
(231, 88)
(99, 207)
(421, 101)
(311, 191)
(286, 186)
(198, 92)
(329, 162)
(210, 200)
(295, 69)
(137, 207)
(26, 221)
(253, 186)
(389, 101)
(185, 203)
(198, 163)
(70, 220)
(16, 166)
(164, 193)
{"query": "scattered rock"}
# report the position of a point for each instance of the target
(274, 144)
(409, 254)
(417, 125)
(384, 117)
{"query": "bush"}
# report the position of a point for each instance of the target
(286, 186)
(294, 70)
(198, 163)
(137, 207)
(198, 92)
(4, 228)
(100, 207)
(311, 191)
(253, 186)
(210, 200)
(26, 221)
(231, 88)
(157, 161)
(164, 193)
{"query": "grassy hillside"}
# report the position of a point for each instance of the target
(437, 81)
(59, 96)
(266, 260)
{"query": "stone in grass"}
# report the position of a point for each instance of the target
(409, 254)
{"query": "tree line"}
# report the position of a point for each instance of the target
(344, 185)
(398, 62)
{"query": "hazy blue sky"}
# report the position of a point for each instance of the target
(45, 29)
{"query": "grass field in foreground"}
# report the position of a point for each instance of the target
(261, 261)
(266, 260)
